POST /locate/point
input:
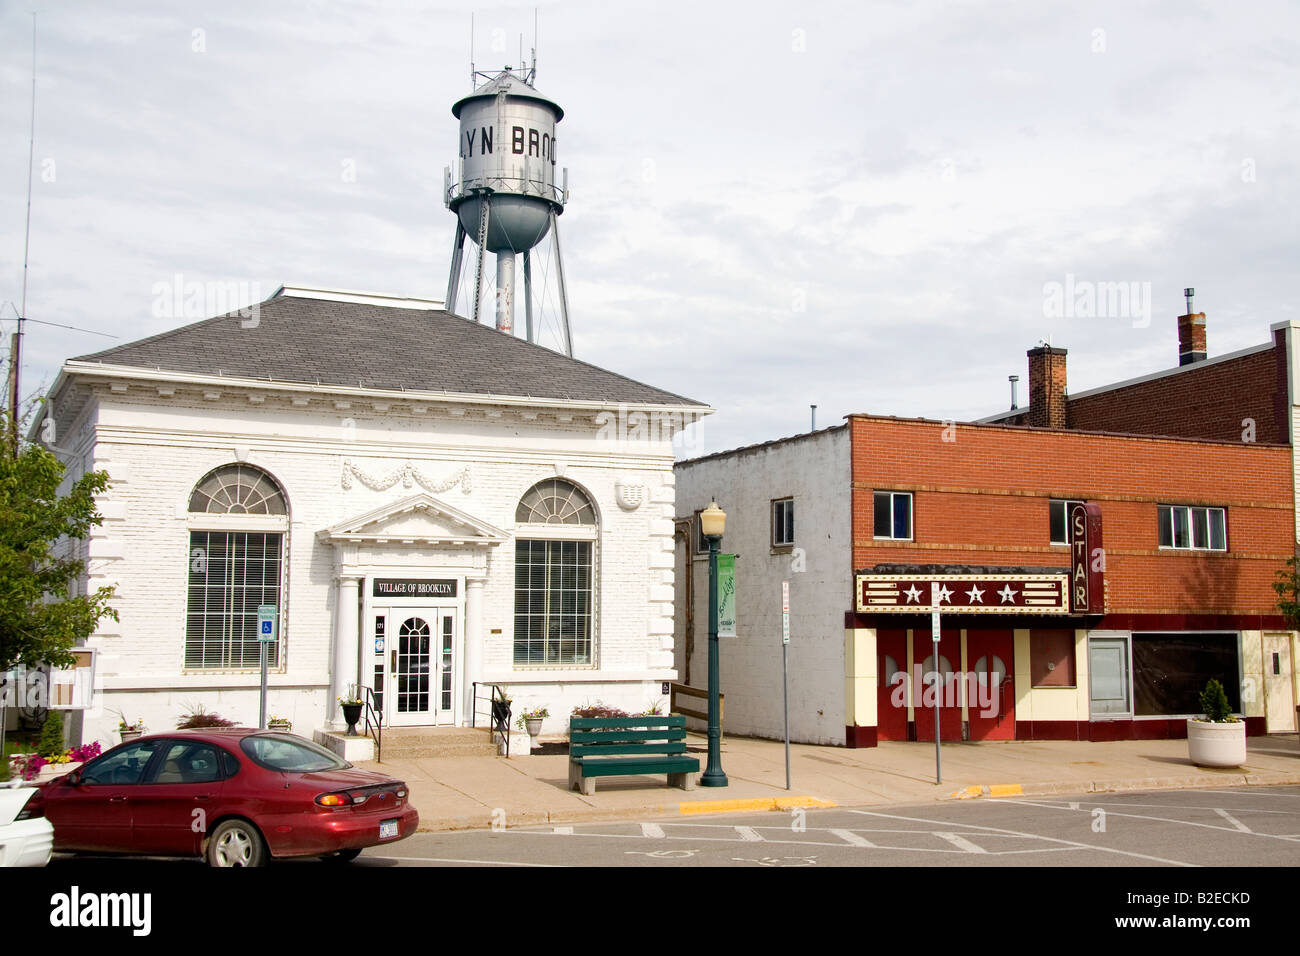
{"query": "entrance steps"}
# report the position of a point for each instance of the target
(412, 742)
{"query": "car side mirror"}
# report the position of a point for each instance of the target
(74, 778)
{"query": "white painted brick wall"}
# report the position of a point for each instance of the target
(815, 471)
(157, 449)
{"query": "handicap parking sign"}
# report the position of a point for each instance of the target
(266, 614)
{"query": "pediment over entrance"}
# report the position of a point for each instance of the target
(419, 519)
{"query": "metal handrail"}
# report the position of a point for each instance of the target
(500, 724)
(378, 734)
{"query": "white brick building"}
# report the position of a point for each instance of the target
(427, 502)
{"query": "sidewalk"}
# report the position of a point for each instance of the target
(455, 793)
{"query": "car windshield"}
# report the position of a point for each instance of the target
(289, 754)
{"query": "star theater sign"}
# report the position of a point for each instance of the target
(974, 593)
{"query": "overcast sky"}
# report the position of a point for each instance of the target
(772, 204)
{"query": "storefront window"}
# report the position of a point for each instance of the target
(1171, 670)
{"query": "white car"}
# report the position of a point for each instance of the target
(24, 840)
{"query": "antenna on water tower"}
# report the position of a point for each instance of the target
(504, 192)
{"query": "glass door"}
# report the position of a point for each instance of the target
(410, 688)
(1109, 676)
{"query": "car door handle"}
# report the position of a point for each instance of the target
(203, 796)
(117, 799)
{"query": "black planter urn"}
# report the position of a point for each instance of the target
(352, 713)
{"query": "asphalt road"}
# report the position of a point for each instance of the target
(1240, 827)
(1245, 827)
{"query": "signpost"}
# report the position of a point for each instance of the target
(938, 675)
(266, 636)
(785, 671)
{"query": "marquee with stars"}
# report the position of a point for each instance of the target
(964, 593)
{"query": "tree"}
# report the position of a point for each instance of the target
(40, 620)
(1287, 586)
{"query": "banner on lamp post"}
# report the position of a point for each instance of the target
(726, 595)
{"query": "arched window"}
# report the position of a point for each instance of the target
(554, 576)
(238, 519)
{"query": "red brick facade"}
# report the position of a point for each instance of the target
(981, 497)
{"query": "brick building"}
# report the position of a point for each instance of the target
(1186, 532)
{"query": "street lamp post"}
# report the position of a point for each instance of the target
(713, 521)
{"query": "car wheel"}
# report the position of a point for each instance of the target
(342, 856)
(236, 843)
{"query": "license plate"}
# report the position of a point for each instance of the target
(388, 829)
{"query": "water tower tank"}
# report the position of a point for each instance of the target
(505, 187)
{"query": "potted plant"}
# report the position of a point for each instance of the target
(531, 721)
(351, 703)
(1219, 738)
(501, 708)
(280, 723)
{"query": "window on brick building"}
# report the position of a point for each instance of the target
(1059, 519)
(1184, 527)
(893, 515)
(238, 520)
(782, 522)
(556, 528)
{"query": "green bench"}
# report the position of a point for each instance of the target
(625, 746)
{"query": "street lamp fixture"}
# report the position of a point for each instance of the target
(713, 521)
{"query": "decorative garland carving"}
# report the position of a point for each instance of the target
(409, 475)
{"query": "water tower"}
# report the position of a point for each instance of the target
(505, 194)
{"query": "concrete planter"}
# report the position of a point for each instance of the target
(1216, 745)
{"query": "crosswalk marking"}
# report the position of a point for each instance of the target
(749, 835)
(848, 836)
(960, 842)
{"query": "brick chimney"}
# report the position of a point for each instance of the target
(1046, 387)
(1191, 338)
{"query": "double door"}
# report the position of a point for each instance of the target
(414, 664)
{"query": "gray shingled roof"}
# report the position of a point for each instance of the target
(357, 344)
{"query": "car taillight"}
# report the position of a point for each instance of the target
(334, 799)
(34, 810)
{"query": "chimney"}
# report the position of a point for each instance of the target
(1191, 338)
(1046, 387)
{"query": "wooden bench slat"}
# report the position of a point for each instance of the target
(633, 766)
(623, 736)
(585, 750)
(591, 723)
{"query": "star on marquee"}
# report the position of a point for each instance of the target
(943, 594)
(976, 594)
(1008, 596)
(913, 594)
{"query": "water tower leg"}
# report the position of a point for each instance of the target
(528, 296)
(564, 293)
(506, 292)
(457, 259)
(484, 216)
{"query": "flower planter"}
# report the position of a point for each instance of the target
(129, 734)
(501, 714)
(1216, 745)
(52, 770)
(283, 726)
(534, 727)
(352, 713)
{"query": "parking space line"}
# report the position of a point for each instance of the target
(959, 841)
(848, 836)
(1032, 836)
(1144, 816)
(439, 859)
(749, 834)
(1233, 820)
(652, 830)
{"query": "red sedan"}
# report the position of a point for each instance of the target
(236, 797)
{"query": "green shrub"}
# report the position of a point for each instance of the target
(1214, 701)
(199, 717)
(598, 710)
(51, 742)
